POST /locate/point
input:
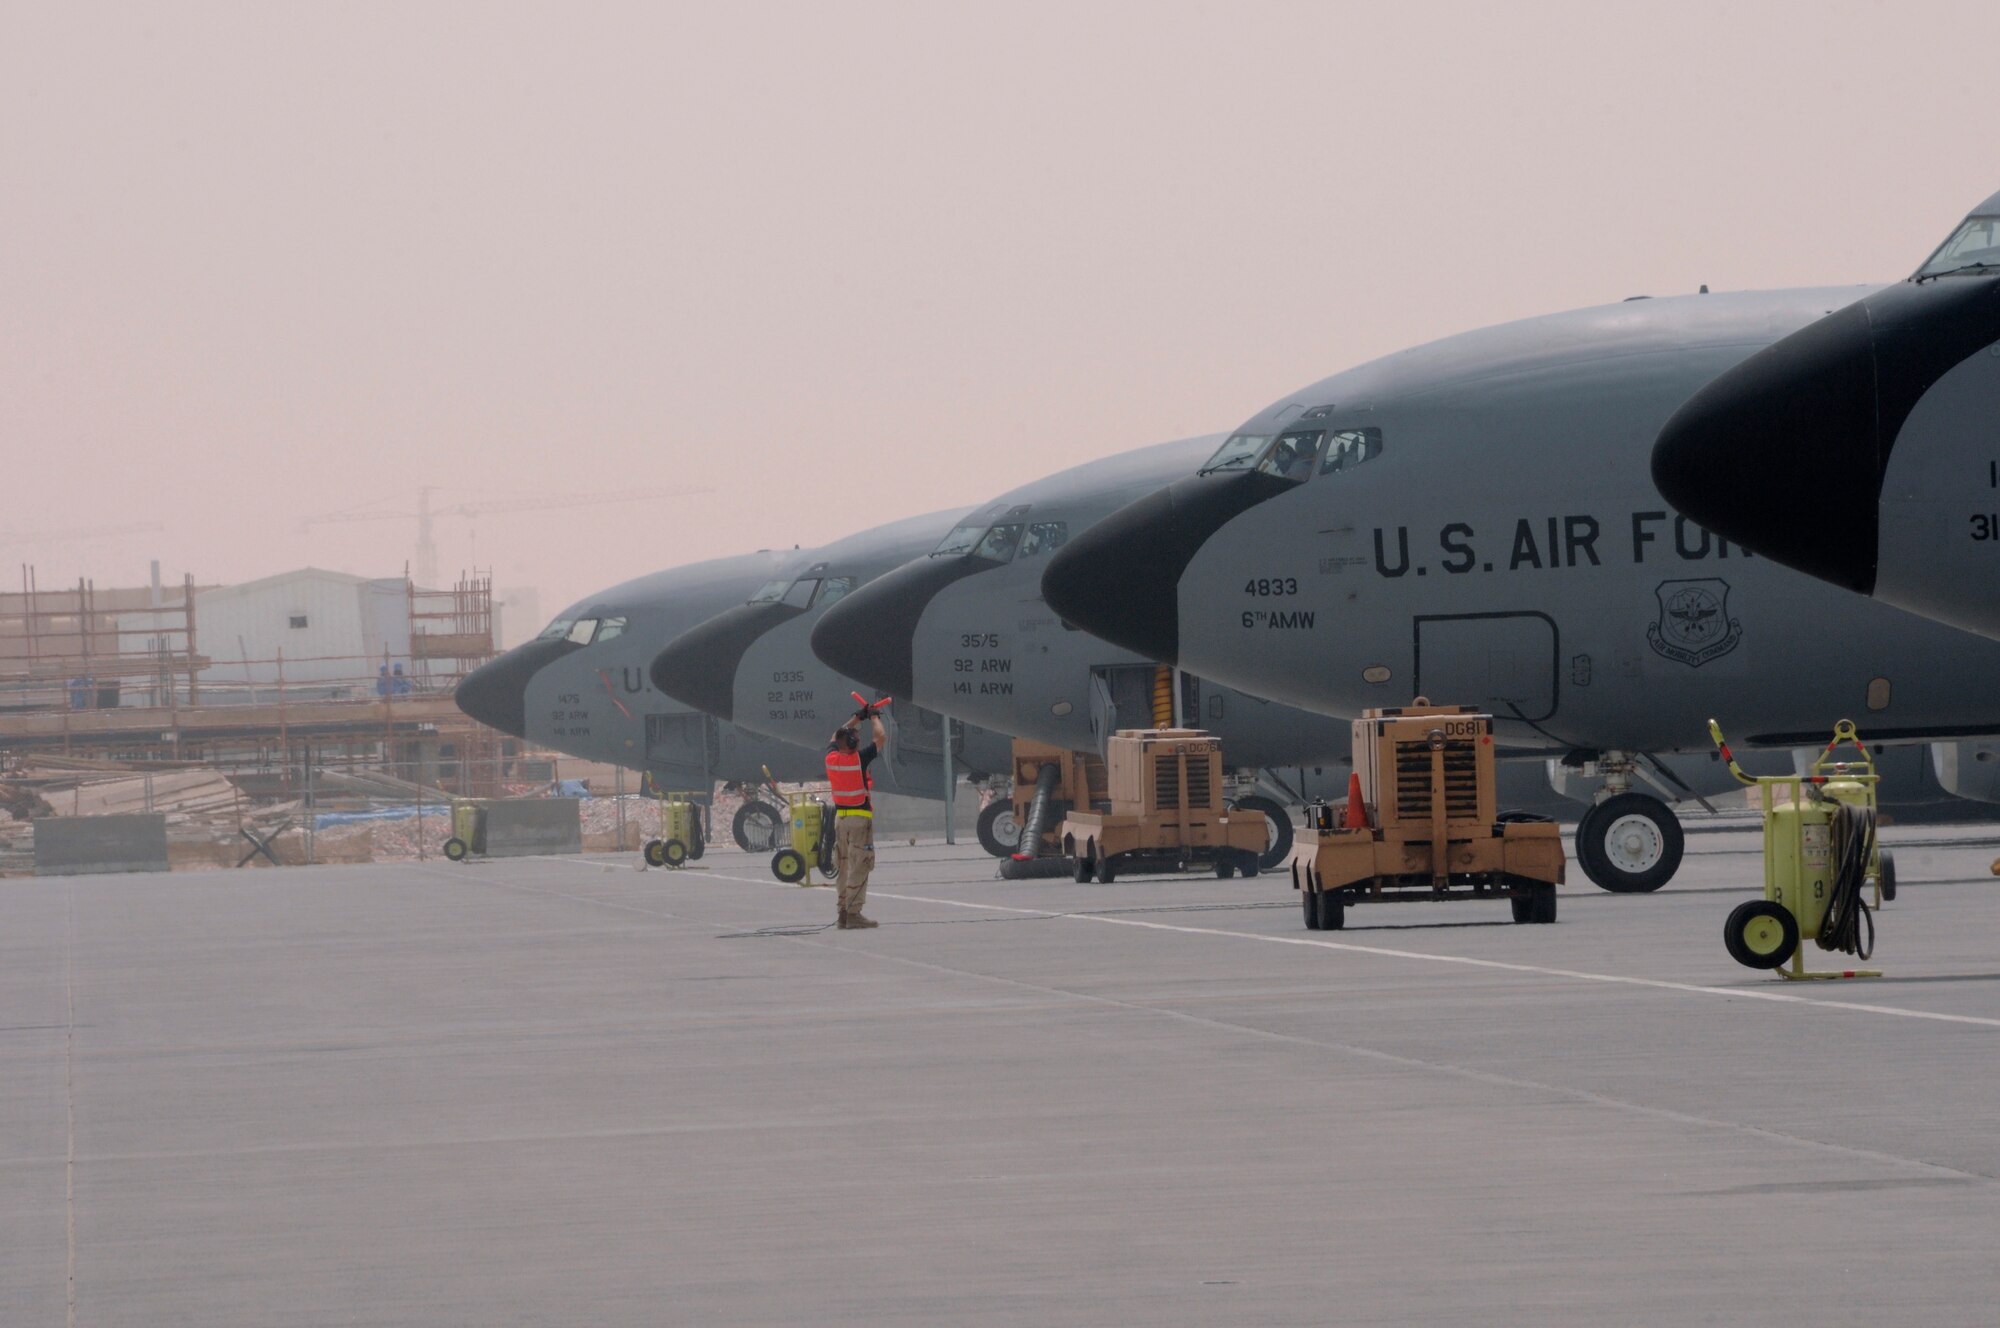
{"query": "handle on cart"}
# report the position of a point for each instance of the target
(1715, 732)
(1843, 732)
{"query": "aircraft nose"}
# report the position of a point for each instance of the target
(496, 693)
(1119, 580)
(869, 635)
(1779, 454)
(699, 667)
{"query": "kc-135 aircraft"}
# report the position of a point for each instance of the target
(751, 664)
(1864, 449)
(582, 688)
(1473, 520)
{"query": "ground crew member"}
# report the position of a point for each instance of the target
(847, 763)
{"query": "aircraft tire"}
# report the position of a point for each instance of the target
(757, 826)
(999, 831)
(1279, 846)
(1761, 934)
(1629, 844)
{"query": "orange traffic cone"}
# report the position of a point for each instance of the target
(1357, 810)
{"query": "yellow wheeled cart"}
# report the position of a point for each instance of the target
(681, 839)
(1819, 854)
(811, 831)
(468, 829)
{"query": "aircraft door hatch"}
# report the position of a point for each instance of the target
(1506, 663)
(1121, 696)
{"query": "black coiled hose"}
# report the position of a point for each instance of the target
(1848, 926)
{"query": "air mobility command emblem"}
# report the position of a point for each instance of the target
(1694, 626)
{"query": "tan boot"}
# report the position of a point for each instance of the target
(856, 922)
(841, 923)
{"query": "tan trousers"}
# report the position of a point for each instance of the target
(853, 859)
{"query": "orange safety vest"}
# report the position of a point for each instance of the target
(850, 784)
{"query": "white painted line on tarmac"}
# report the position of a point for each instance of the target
(1578, 975)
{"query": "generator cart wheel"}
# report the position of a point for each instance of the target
(1761, 934)
(1332, 913)
(788, 865)
(1629, 844)
(1251, 864)
(1107, 869)
(999, 831)
(1278, 823)
(454, 848)
(1311, 903)
(1084, 866)
(1521, 906)
(673, 853)
(1224, 869)
(653, 854)
(758, 827)
(698, 839)
(1887, 865)
(1542, 903)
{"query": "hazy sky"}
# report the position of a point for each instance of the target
(838, 263)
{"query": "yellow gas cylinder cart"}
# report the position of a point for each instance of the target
(468, 829)
(681, 839)
(811, 836)
(1819, 851)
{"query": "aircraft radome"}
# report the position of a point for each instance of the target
(1472, 520)
(1862, 448)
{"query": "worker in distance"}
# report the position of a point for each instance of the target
(847, 763)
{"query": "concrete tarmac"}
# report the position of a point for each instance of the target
(563, 1091)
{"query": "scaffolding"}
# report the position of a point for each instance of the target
(118, 675)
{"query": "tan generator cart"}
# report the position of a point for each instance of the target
(1166, 810)
(1422, 824)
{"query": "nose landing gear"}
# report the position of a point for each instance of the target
(1627, 842)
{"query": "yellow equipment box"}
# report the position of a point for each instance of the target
(1422, 823)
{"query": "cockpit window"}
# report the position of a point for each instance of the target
(1239, 453)
(831, 589)
(1044, 536)
(581, 631)
(1973, 248)
(1348, 448)
(1292, 455)
(960, 542)
(1000, 543)
(556, 630)
(772, 591)
(801, 592)
(610, 629)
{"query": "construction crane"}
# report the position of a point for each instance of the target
(8, 538)
(425, 515)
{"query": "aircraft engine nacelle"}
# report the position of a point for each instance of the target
(1969, 769)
